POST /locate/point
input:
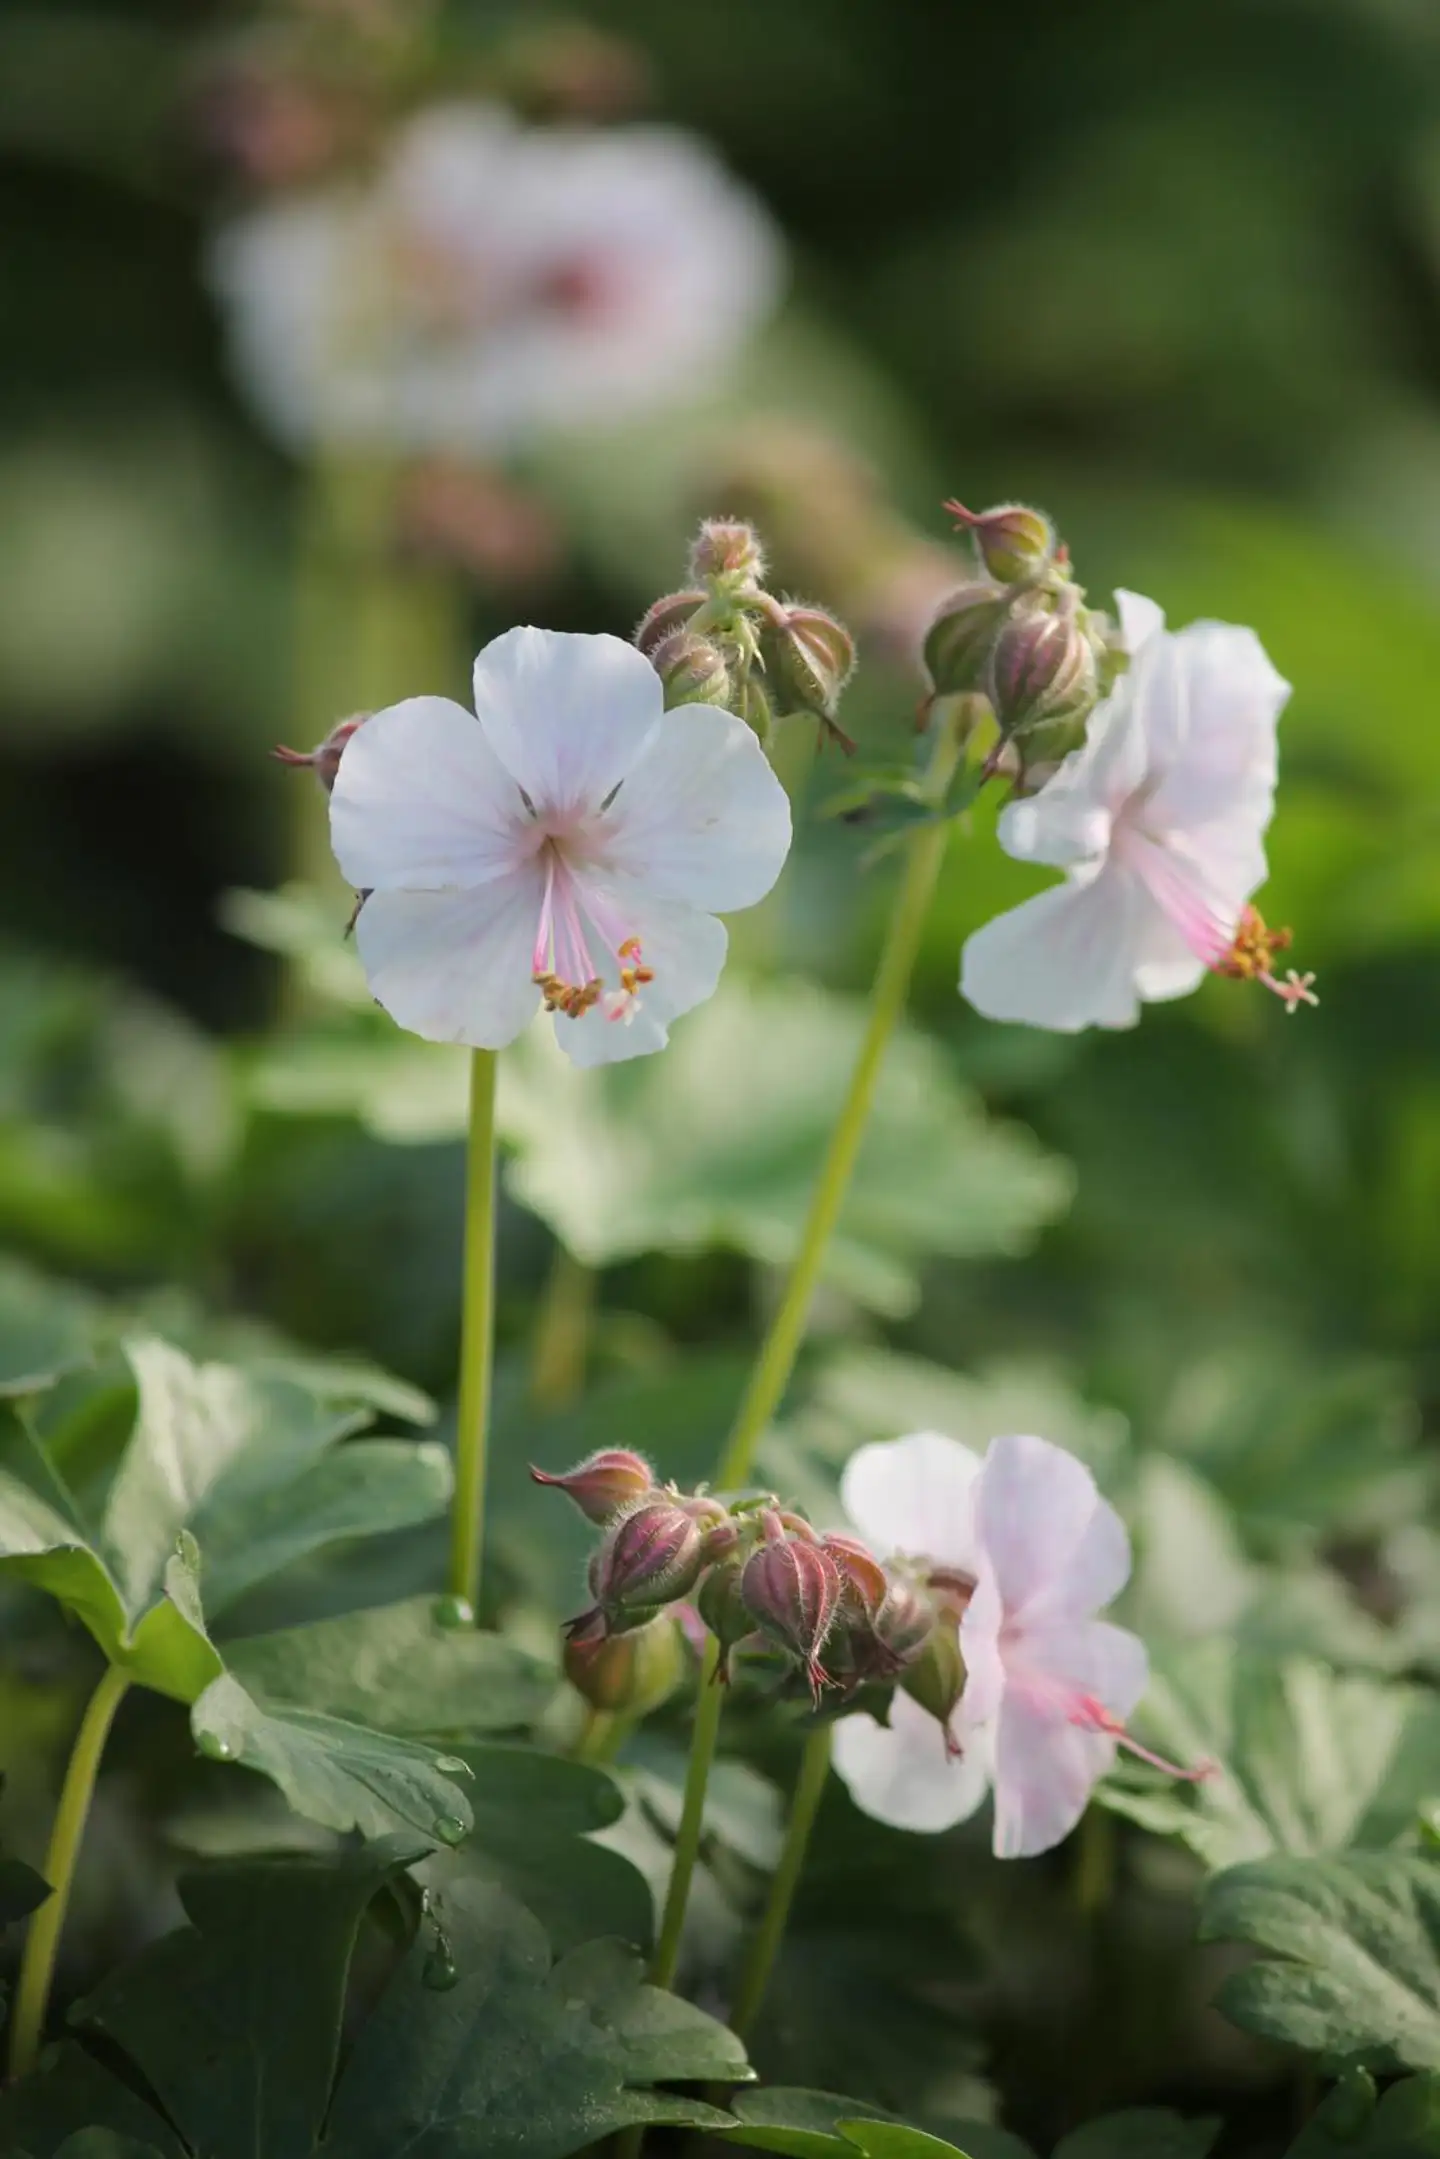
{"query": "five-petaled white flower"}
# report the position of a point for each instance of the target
(570, 844)
(1035, 1553)
(1158, 822)
(492, 281)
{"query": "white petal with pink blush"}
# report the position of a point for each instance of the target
(492, 282)
(569, 843)
(1035, 1553)
(1158, 821)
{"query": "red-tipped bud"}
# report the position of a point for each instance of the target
(935, 1676)
(904, 1623)
(1042, 673)
(727, 553)
(866, 1583)
(628, 1674)
(649, 1557)
(792, 1590)
(1012, 541)
(959, 641)
(693, 670)
(667, 615)
(605, 1484)
(811, 657)
(324, 759)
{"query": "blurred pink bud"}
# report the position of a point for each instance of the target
(728, 554)
(485, 524)
(324, 759)
(959, 641)
(1042, 672)
(692, 669)
(628, 1674)
(1012, 541)
(605, 1484)
(812, 657)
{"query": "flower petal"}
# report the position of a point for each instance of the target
(422, 804)
(701, 817)
(1045, 1770)
(567, 715)
(904, 1775)
(1054, 1545)
(915, 1495)
(455, 966)
(1211, 701)
(1140, 619)
(1069, 821)
(685, 950)
(1066, 959)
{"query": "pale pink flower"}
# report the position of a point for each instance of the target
(568, 842)
(1158, 821)
(1048, 1684)
(492, 281)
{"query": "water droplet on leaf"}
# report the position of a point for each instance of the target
(453, 1612)
(218, 1749)
(439, 1972)
(449, 1829)
(450, 1765)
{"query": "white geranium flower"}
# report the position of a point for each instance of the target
(1033, 1552)
(492, 281)
(572, 843)
(1158, 822)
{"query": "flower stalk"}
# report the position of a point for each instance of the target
(477, 1337)
(42, 1942)
(776, 1362)
(765, 1944)
(710, 1701)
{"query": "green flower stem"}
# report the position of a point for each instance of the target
(477, 1336)
(692, 1818)
(776, 1361)
(562, 1333)
(37, 1966)
(764, 1947)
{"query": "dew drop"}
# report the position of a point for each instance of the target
(439, 1972)
(450, 1765)
(449, 1829)
(218, 1749)
(453, 1612)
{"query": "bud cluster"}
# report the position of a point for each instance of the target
(726, 640)
(764, 1582)
(1019, 635)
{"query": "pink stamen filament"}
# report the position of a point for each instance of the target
(1093, 1716)
(562, 962)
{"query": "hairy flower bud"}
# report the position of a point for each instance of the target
(692, 669)
(666, 616)
(1042, 671)
(865, 1581)
(959, 641)
(935, 1677)
(904, 1622)
(629, 1674)
(811, 658)
(792, 1589)
(727, 553)
(649, 1557)
(324, 759)
(1013, 542)
(721, 1605)
(605, 1484)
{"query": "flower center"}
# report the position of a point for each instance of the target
(1245, 952)
(1251, 958)
(563, 963)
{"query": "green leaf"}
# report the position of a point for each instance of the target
(718, 1144)
(518, 2059)
(1141, 2133)
(331, 1771)
(1308, 1761)
(800, 2124)
(1349, 2123)
(46, 1328)
(1350, 1955)
(397, 1669)
(22, 1891)
(892, 2140)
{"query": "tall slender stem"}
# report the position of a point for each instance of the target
(776, 1361)
(760, 1959)
(477, 1335)
(37, 1965)
(692, 1819)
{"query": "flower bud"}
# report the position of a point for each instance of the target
(721, 1605)
(668, 614)
(960, 639)
(792, 1590)
(935, 1677)
(324, 759)
(904, 1623)
(629, 1674)
(605, 1484)
(649, 1557)
(1042, 670)
(727, 553)
(812, 657)
(864, 1580)
(1012, 541)
(692, 669)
